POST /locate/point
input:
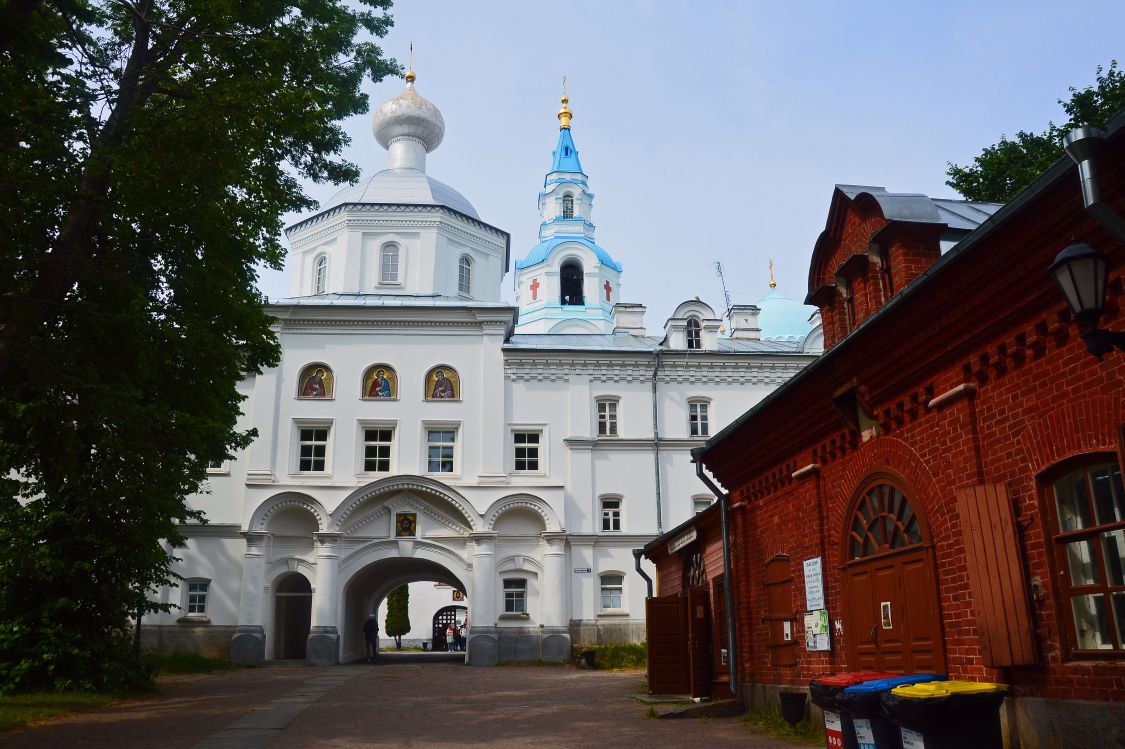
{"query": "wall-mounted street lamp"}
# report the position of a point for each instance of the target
(1082, 273)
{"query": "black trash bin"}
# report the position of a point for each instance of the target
(838, 732)
(947, 714)
(861, 703)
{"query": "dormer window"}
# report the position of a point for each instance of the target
(465, 276)
(694, 333)
(571, 280)
(320, 275)
(568, 206)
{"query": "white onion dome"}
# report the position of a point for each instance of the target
(409, 115)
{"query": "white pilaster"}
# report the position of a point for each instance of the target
(553, 590)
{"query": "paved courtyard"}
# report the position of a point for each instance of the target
(394, 704)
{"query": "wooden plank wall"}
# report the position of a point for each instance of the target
(996, 576)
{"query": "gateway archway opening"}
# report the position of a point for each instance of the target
(292, 616)
(432, 586)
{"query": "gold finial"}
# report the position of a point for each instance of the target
(565, 114)
(773, 283)
(410, 76)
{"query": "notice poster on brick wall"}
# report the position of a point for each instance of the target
(814, 585)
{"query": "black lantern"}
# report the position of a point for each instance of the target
(1081, 273)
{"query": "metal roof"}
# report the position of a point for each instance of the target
(402, 187)
(644, 344)
(919, 208)
(540, 252)
(383, 300)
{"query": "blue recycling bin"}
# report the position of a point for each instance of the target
(862, 702)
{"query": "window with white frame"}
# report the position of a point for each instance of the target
(377, 442)
(320, 277)
(694, 333)
(607, 417)
(699, 424)
(217, 466)
(568, 206)
(699, 504)
(611, 514)
(465, 276)
(612, 586)
(515, 595)
(388, 264)
(197, 597)
(312, 448)
(440, 444)
(526, 451)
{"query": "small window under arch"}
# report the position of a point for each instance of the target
(465, 276)
(568, 206)
(694, 333)
(571, 280)
(320, 276)
(388, 264)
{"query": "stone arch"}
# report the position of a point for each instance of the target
(520, 562)
(522, 501)
(290, 564)
(418, 484)
(1052, 437)
(429, 551)
(260, 519)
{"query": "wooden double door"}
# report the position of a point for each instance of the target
(679, 643)
(893, 615)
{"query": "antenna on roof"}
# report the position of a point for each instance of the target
(726, 294)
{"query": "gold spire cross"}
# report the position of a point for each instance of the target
(565, 114)
(773, 283)
(410, 76)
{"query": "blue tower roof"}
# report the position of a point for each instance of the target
(782, 319)
(565, 157)
(540, 252)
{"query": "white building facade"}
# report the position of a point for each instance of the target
(418, 428)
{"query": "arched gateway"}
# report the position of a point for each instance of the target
(390, 533)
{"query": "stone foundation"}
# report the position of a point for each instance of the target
(211, 640)
(606, 631)
(491, 645)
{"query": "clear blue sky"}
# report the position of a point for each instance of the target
(716, 130)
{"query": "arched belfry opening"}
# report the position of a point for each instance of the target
(571, 280)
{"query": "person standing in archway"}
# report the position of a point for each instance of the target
(370, 630)
(449, 638)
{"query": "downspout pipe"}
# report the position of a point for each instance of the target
(728, 586)
(637, 554)
(1082, 145)
(656, 446)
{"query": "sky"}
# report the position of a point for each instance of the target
(715, 131)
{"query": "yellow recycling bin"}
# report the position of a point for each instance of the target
(947, 714)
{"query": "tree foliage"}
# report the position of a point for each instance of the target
(398, 614)
(1004, 169)
(147, 151)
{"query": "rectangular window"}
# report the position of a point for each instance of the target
(389, 271)
(515, 596)
(698, 423)
(607, 418)
(197, 598)
(526, 446)
(611, 514)
(699, 504)
(313, 450)
(1089, 512)
(439, 450)
(612, 586)
(377, 449)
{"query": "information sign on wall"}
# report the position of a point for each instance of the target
(814, 585)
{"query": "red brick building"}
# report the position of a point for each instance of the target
(952, 460)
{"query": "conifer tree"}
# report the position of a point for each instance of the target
(398, 614)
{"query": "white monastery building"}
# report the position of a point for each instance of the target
(419, 429)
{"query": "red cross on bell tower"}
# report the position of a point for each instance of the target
(534, 288)
(608, 290)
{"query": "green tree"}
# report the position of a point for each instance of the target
(1004, 169)
(398, 614)
(147, 151)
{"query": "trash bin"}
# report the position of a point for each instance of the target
(861, 702)
(838, 731)
(944, 714)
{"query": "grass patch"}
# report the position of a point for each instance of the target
(163, 664)
(17, 710)
(769, 721)
(620, 657)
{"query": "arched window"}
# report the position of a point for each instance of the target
(568, 206)
(388, 265)
(612, 589)
(465, 276)
(320, 276)
(694, 333)
(571, 279)
(883, 521)
(1088, 525)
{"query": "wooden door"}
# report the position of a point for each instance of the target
(699, 637)
(668, 656)
(891, 605)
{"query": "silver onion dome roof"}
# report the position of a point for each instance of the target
(409, 115)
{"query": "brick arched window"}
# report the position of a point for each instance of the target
(883, 521)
